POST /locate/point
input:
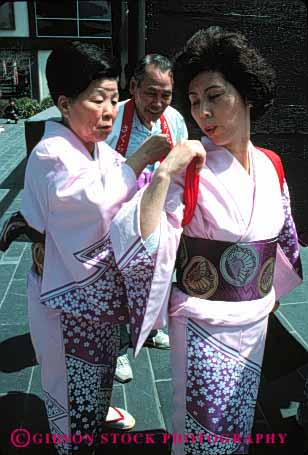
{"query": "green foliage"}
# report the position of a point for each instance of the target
(46, 103)
(27, 107)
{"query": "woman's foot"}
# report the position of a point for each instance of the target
(119, 419)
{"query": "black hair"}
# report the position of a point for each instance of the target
(228, 53)
(71, 69)
(157, 60)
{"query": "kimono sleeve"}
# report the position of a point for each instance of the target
(34, 206)
(119, 184)
(147, 278)
(288, 269)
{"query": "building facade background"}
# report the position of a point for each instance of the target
(36, 28)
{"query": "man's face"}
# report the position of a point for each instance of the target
(152, 95)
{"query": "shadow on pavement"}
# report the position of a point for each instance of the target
(16, 354)
(14, 183)
(22, 415)
(281, 390)
(283, 353)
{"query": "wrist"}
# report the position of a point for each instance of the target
(137, 162)
(162, 174)
(141, 159)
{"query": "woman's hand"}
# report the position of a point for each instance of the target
(153, 199)
(153, 149)
(181, 155)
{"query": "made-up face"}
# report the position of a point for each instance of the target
(152, 95)
(219, 110)
(91, 115)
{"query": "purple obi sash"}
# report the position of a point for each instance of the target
(217, 270)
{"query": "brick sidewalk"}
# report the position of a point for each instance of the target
(148, 396)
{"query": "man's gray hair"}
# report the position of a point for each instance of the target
(159, 61)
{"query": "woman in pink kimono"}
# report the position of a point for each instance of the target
(233, 243)
(74, 185)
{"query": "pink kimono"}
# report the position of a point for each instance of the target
(76, 307)
(238, 255)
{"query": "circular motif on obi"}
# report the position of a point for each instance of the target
(266, 276)
(200, 278)
(239, 264)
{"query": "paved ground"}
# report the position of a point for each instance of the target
(148, 396)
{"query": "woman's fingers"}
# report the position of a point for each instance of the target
(183, 153)
(199, 163)
(200, 157)
(156, 147)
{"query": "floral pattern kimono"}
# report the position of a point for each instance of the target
(237, 256)
(76, 306)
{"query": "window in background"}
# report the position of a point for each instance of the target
(7, 19)
(77, 18)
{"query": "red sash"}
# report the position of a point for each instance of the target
(126, 128)
(192, 183)
(191, 191)
(191, 179)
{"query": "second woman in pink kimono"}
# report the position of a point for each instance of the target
(238, 250)
(74, 185)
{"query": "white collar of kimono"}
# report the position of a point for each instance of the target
(212, 147)
(53, 128)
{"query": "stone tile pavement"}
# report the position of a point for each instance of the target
(148, 396)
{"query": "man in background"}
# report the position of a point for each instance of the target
(146, 114)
